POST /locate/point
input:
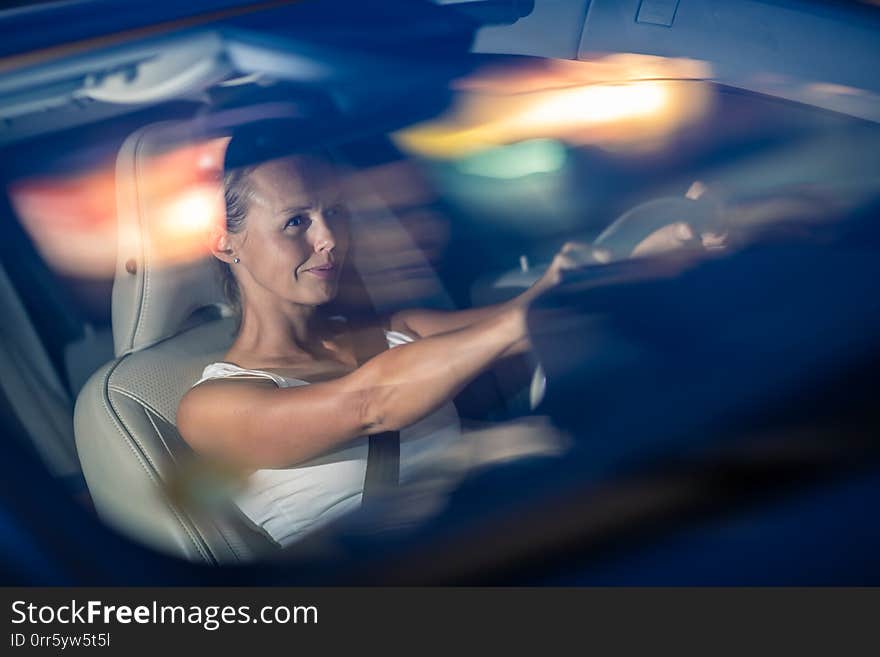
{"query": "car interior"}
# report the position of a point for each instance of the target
(96, 364)
(168, 316)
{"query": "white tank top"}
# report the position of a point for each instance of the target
(289, 502)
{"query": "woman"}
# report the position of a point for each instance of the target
(290, 403)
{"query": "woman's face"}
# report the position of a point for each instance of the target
(296, 233)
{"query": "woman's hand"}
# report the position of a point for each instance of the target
(425, 323)
(572, 256)
(671, 237)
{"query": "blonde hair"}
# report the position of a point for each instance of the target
(237, 194)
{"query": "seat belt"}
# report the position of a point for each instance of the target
(383, 464)
(383, 449)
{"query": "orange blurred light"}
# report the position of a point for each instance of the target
(620, 101)
(73, 219)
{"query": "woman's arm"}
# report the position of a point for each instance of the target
(254, 425)
(425, 323)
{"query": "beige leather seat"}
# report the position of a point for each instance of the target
(169, 321)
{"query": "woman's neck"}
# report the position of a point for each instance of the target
(282, 332)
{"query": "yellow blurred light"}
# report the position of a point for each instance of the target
(596, 104)
(576, 102)
(185, 222)
(191, 213)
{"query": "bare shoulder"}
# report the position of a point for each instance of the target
(227, 389)
(397, 321)
(408, 321)
(213, 401)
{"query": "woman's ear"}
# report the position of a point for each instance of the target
(221, 246)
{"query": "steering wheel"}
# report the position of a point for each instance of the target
(629, 230)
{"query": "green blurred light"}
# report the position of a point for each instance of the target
(515, 160)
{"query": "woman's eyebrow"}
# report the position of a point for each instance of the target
(294, 209)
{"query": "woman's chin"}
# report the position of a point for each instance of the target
(323, 294)
(314, 293)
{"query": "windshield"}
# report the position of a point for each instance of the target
(559, 189)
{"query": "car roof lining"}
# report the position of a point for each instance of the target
(121, 80)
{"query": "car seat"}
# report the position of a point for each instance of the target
(169, 321)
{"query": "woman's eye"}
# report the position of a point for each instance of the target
(297, 220)
(336, 212)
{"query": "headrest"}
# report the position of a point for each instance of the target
(168, 195)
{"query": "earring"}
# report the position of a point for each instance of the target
(236, 260)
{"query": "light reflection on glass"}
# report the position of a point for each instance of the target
(73, 219)
(621, 101)
(516, 160)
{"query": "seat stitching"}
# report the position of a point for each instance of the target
(160, 434)
(222, 532)
(217, 526)
(144, 248)
(140, 401)
(149, 407)
(131, 442)
(171, 507)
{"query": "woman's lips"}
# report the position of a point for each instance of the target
(323, 272)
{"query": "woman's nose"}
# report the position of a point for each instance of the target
(324, 237)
